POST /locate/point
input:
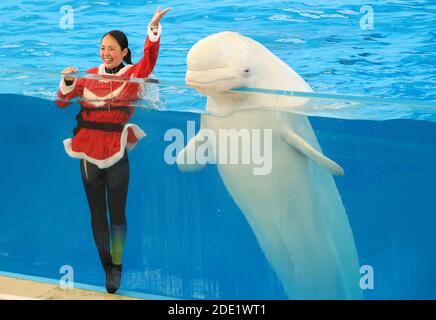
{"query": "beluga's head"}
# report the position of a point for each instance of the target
(218, 63)
(229, 60)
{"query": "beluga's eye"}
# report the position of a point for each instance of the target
(246, 72)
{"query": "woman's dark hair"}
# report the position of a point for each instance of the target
(121, 38)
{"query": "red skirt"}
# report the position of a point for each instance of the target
(103, 148)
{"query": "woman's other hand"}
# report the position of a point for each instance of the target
(69, 70)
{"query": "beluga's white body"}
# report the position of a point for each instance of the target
(295, 211)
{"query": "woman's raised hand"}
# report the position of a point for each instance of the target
(157, 16)
(68, 71)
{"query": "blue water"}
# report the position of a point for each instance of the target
(186, 236)
(322, 40)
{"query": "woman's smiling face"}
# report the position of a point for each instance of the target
(111, 53)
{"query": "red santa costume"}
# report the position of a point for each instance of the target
(103, 133)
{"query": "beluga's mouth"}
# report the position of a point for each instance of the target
(194, 83)
(214, 80)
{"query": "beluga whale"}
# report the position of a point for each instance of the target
(294, 209)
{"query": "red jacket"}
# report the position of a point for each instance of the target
(105, 148)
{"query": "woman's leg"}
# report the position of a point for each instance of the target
(117, 178)
(95, 186)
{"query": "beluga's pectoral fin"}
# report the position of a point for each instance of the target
(297, 142)
(187, 159)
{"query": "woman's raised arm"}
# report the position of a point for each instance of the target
(145, 66)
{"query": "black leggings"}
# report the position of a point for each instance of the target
(113, 182)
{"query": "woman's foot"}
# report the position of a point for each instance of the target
(113, 277)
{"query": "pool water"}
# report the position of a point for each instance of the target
(186, 236)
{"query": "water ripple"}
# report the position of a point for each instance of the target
(284, 18)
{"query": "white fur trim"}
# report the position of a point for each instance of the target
(101, 101)
(102, 70)
(64, 88)
(97, 101)
(106, 163)
(151, 35)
